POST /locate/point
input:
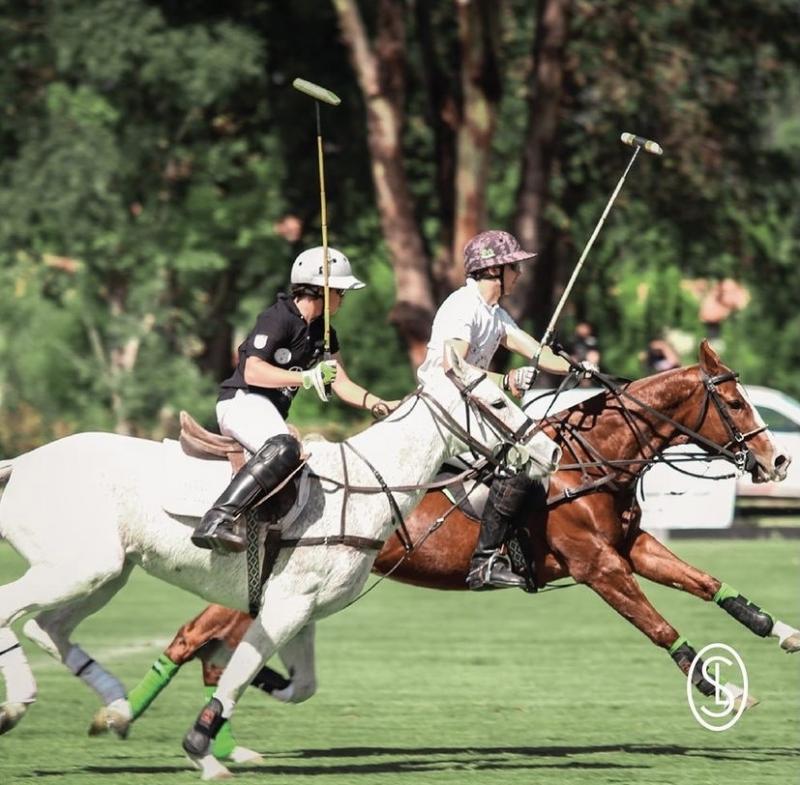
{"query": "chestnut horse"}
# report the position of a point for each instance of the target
(589, 532)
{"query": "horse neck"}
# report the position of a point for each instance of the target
(642, 433)
(407, 448)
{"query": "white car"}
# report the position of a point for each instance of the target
(702, 493)
(782, 414)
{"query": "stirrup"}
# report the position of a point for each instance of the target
(219, 535)
(494, 573)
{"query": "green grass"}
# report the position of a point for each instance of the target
(425, 687)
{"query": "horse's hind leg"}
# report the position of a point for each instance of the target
(654, 561)
(51, 630)
(600, 567)
(20, 684)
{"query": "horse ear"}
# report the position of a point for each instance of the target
(709, 359)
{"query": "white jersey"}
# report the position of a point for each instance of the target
(466, 316)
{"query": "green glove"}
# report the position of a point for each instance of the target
(321, 374)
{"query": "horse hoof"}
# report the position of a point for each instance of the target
(244, 755)
(116, 716)
(792, 643)
(210, 768)
(10, 715)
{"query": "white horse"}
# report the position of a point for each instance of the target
(84, 510)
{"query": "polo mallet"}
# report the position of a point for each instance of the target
(638, 143)
(327, 97)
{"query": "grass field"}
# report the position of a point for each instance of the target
(425, 687)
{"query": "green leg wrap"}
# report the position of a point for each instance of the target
(756, 619)
(679, 641)
(146, 691)
(224, 741)
(724, 593)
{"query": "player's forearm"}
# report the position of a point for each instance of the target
(264, 374)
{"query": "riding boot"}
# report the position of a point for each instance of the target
(489, 569)
(261, 475)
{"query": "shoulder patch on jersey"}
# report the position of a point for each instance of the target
(260, 341)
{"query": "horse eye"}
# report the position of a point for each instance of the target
(735, 404)
(498, 404)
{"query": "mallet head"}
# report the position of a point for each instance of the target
(316, 92)
(639, 141)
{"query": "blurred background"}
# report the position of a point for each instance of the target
(159, 175)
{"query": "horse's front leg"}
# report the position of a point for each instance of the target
(583, 540)
(19, 680)
(281, 618)
(654, 561)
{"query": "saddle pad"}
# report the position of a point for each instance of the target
(190, 486)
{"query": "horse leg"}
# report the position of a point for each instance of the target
(51, 631)
(270, 631)
(608, 574)
(20, 683)
(654, 561)
(298, 657)
(42, 586)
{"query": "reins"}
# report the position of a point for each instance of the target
(568, 433)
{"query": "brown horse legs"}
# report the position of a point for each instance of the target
(654, 561)
(610, 576)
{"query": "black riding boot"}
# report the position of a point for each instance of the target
(489, 569)
(267, 469)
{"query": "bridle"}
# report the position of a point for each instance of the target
(741, 455)
(509, 439)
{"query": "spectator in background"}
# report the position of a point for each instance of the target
(583, 342)
(660, 356)
(722, 300)
(584, 346)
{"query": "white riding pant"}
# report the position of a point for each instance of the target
(250, 419)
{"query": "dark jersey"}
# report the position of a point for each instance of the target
(283, 338)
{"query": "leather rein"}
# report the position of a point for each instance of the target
(483, 455)
(734, 450)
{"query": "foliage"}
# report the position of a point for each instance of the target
(150, 150)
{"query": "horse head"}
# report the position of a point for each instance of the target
(488, 422)
(727, 418)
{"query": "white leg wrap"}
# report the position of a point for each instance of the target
(105, 684)
(782, 631)
(20, 684)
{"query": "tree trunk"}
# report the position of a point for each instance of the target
(380, 72)
(444, 115)
(535, 290)
(481, 90)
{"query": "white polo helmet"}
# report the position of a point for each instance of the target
(307, 268)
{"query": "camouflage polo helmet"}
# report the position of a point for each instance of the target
(492, 249)
(307, 269)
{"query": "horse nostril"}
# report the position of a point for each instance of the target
(779, 461)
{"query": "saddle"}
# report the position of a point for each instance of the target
(198, 442)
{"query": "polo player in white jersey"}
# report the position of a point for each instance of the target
(475, 324)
